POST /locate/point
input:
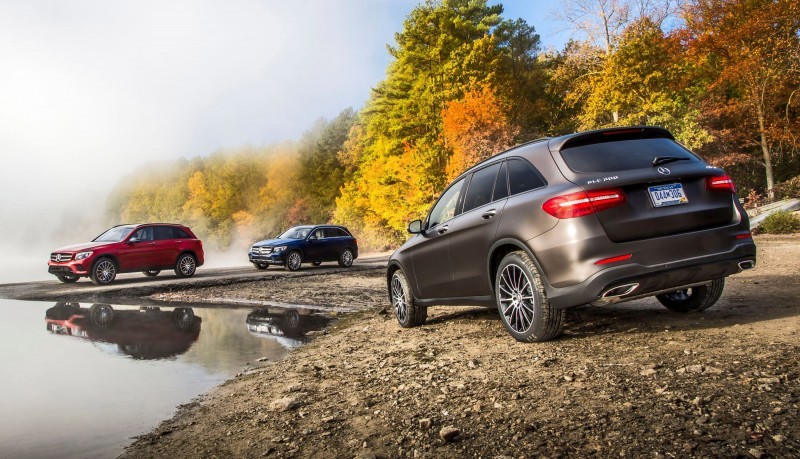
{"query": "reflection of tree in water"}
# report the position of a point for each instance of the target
(146, 333)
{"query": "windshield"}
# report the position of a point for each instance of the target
(115, 234)
(298, 232)
(623, 155)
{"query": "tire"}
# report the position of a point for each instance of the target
(346, 258)
(68, 278)
(292, 318)
(186, 265)
(406, 309)
(293, 261)
(261, 266)
(151, 272)
(316, 263)
(184, 318)
(521, 300)
(693, 299)
(104, 271)
(101, 315)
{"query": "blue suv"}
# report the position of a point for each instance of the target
(306, 244)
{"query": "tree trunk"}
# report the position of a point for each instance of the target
(767, 157)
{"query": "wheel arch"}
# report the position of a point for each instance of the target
(503, 247)
(110, 256)
(184, 252)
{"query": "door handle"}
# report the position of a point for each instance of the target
(488, 214)
(152, 243)
(443, 229)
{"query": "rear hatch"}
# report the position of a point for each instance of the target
(666, 188)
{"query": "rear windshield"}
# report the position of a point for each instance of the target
(624, 155)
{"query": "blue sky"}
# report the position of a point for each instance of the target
(91, 89)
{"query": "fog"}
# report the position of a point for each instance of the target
(92, 89)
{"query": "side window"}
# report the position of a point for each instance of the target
(480, 187)
(178, 233)
(319, 233)
(445, 208)
(501, 185)
(342, 233)
(163, 232)
(331, 232)
(144, 234)
(522, 176)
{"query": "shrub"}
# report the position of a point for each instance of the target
(781, 222)
(789, 189)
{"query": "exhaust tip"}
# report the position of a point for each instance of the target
(619, 291)
(747, 264)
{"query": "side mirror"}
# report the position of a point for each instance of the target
(312, 238)
(134, 240)
(415, 227)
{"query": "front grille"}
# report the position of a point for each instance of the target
(60, 257)
(263, 250)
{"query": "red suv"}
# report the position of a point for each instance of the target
(148, 248)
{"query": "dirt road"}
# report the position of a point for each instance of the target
(630, 380)
(138, 287)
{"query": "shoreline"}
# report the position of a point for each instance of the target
(630, 379)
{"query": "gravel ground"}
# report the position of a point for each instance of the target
(628, 380)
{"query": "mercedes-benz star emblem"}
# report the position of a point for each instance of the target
(663, 171)
(58, 257)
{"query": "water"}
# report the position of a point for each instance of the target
(80, 380)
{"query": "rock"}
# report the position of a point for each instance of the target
(284, 404)
(756, 453)
(262, 359)
(648, 372)
(425, 423)
(472, 364)
(449, 433)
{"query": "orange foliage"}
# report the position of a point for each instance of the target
(475, 128)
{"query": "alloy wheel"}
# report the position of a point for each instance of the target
(516, 298)
(105, 271)
(187, 265)
(294, 261)
(347, 258)
(399, 299)
(679, 295)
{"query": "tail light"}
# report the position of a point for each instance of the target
(583, 203)
(720, 183)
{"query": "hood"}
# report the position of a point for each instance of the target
(82, 247)
(274, 242)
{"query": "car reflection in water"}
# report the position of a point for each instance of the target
(144, 334)
(287, 326)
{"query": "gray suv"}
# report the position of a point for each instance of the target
(595, 217)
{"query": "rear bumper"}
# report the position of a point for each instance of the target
(652, 279)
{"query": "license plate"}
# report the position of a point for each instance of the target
(667, 195)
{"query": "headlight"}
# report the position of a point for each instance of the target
(280, 248)
(83, 255)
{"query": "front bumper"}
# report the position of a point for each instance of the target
(273, 258)
(78, 268)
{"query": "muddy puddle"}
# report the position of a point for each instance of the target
(79, 380)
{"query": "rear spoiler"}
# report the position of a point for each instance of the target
(608, 135)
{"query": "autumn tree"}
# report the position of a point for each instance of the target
(750, 52)
(321, 172)
(474, 128)
(446, 49)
